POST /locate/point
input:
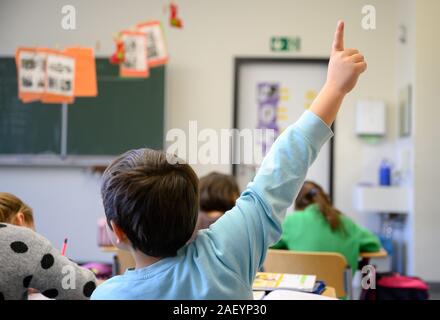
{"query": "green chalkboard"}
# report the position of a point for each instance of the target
(126, 114)
(31, 128)
(129, 113)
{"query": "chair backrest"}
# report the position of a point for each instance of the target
(329, 267)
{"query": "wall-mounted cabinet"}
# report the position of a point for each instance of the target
(382, 199)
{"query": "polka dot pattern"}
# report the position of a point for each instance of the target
(27, 281)
(26, 247)
(19, 247)
(88, 289)
(51, 293)
(47, 261)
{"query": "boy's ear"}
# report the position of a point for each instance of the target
(120, 236)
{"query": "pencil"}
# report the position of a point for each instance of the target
(63, 250)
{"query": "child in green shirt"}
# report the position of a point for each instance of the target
(318, 226)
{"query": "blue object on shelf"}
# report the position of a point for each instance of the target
(385, 173)
(387, 244)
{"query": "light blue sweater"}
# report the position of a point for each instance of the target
(222, 261)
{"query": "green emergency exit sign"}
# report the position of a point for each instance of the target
(284, 44)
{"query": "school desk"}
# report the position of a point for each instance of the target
(296, 295)
(377, 255)
(126, 261)
(329, 292)
(366, 256)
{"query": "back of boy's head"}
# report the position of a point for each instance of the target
(218, 192)
(153, 199)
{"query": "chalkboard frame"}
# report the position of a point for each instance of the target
(70, 160)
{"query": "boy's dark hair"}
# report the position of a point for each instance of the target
(218, 192)
(154, 201)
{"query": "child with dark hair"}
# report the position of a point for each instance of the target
(317, 226)
(218, 193)
(151, 202)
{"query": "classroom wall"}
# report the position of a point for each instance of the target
(419, 66)
(65, 202)
(405, 75)
(200, 75)
(426, 137)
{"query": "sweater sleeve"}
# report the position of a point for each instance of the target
(281, 244)
(368, 242)
(241, 237)
(55, 276)
(28, 260)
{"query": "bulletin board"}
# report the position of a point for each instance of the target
(272, 93)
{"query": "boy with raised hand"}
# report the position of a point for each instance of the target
(151, 207)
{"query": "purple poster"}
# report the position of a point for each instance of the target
(268, 97)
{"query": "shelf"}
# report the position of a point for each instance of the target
(382, 199)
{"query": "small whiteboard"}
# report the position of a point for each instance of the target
(272, 94)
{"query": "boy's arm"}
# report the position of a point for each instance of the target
(241, 237)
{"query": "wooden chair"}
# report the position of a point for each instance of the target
(332, 268)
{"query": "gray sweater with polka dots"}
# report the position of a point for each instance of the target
(28, 260)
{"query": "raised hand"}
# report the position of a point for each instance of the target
(345, 65)
(344, 69)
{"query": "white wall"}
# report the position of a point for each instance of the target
(426, 141)
(200, 76)
(405, 75)
(419, 66)
(65, 202)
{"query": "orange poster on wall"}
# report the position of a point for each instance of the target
(135, 63)
(85, 71)
(54, 76)
(156, 46)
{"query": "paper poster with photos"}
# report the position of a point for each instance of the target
(136, 62)
(51, 95)
(46, 75)
(55, 76)
(31, 71)
(60, 75)
(156, 47)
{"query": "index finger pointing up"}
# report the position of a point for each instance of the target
(338, 42)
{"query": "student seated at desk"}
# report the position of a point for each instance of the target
(317, 226)
(27, 260)
(218, 193)
(151, 204)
